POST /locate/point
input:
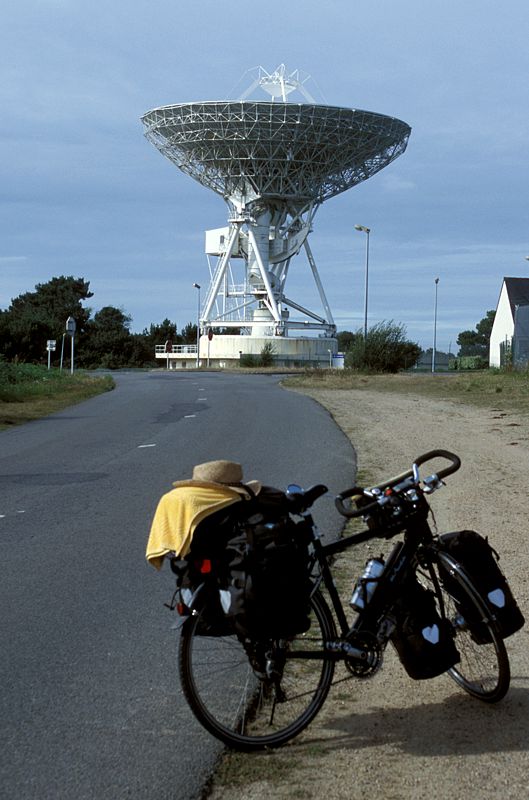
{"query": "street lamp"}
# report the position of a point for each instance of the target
(197, 286)
(367, 231)
(434, 325)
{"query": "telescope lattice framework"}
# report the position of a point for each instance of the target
(276, 151)
(274, 162)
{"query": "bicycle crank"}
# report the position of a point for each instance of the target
(362, 654)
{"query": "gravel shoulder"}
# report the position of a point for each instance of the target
(404, 739)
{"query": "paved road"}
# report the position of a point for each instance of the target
(90, 696)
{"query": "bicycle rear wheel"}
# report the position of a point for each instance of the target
(244, 704)
(483, 670)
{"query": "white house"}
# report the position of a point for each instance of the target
(514, 293)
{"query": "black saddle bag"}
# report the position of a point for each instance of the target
(480, 561)
(423, 640)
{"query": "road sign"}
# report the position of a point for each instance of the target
(51, 344)
(70, 326)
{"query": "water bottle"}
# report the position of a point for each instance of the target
(366, 585)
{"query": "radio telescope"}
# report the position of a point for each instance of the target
(274, 162)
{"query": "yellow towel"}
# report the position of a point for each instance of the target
(178, 514)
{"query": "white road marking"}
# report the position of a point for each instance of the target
(146, 445)
(189, 416)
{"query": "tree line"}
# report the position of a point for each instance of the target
(102, 340)
(105, 339)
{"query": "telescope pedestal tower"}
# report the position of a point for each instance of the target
(274, 162)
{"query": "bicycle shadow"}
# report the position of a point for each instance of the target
(457, 725)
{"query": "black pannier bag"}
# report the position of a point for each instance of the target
(269, 578)
(205, 566)
(423, 640)
(252, 562)
(480, 562)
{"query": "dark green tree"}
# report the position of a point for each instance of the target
(108, 341)
(162, 333)
(476, 342)
(189, 333)
(345, 340)
(385, 349)
(152, 336)
(34, 317)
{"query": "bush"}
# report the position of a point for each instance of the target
(264, 359)
(471, 362)
(248, 360)
(385, 349)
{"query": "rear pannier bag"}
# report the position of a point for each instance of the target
(423, 640)
(252, 564)
(480, 561)
(269, 578)
(206, 567)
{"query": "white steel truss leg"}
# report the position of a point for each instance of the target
(318, 282)
(221, 271)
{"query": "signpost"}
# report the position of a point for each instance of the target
(70, 329)
(50, 347)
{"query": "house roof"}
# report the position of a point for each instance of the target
(517, 292)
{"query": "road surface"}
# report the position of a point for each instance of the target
(91, 705)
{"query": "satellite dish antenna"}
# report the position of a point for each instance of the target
(274, 162)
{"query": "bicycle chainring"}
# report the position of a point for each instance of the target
(368, 666)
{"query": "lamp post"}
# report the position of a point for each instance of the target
(367, 231)
(197, 286)
(434, 325)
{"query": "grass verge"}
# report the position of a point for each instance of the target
(28, 391)
(505, 391)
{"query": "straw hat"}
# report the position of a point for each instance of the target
(227, 474)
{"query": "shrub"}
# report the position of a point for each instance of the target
(266, 357)
(471, 362)
(385, 349)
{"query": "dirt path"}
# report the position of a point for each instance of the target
(390, 736)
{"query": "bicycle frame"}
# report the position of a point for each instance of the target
(402, 559)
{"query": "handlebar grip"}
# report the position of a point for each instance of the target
(350, 513)
(359, 492)
(442, 473)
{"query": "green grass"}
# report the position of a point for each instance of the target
(28, 391)
(505, 391)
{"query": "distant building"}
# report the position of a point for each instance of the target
(443, 361)
(510, 330)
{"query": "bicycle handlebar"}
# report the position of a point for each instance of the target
(357, 491)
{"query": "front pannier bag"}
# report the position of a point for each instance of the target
(480, 562)
(422, 639)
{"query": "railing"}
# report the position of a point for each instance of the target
(182, 349)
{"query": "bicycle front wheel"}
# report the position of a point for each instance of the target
(258, 694)
(483, 670)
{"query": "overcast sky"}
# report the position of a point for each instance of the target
(83, 193)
